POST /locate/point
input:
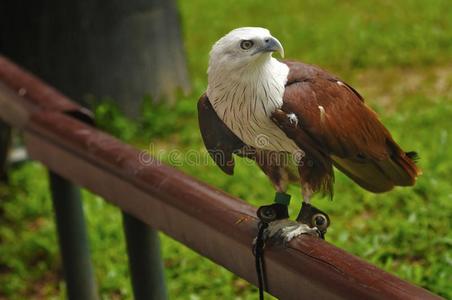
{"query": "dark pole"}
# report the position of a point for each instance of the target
(73, 239)
(5, 138)
(145, 262)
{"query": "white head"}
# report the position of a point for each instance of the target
(245, 80)
(242, 48)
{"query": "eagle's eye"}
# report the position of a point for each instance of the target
(246, 44)
(320, 221)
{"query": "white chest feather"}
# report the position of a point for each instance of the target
(246, 101)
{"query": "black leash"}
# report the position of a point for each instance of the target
(267, 214)
(259, 258)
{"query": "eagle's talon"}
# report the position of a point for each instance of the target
(283, 231)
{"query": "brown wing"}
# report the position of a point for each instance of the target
(341, 126)
(219, 140)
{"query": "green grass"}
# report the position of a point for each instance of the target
(397, 54)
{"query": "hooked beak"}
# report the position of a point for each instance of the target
(271, 45)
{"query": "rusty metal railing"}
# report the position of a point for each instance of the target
(214, 224)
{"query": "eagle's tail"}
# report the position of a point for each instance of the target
(398, 169)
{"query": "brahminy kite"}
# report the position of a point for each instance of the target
(296, 121)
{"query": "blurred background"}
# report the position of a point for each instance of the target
(141, 69)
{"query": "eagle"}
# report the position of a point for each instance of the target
(297, 121)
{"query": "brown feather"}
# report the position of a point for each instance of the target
(315, 167)
(344, 129)
(276, 165)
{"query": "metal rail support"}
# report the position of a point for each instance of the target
(73, 240)
(5, 138)
(145, 262)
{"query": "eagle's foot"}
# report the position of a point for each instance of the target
(313, 217)
(283, 231)
(276, 227)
